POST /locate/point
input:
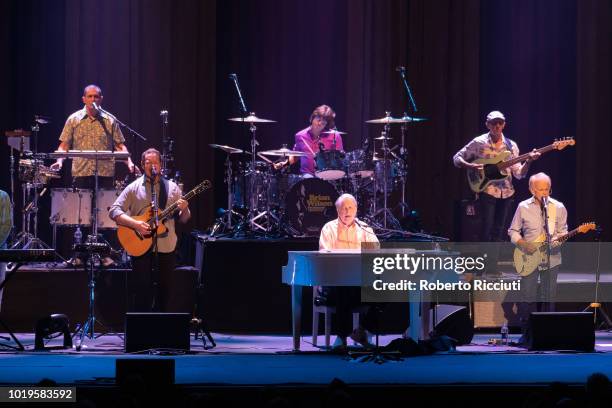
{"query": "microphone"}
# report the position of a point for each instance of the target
(96, 106)
(544, 201)
(164, 115)
(400, 69)
(153, 171)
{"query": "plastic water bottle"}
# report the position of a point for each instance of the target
(78, 236)
(504, 334)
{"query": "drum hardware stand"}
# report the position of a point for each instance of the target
(403, 205)
(25, 239)
(387, 215)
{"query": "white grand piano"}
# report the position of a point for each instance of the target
(327, 268)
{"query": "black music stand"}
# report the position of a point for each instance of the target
(200, 326)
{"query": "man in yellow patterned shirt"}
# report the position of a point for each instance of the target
(92, 129)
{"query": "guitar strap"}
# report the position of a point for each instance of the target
(508, 143)
(552, 218)
(163, 193)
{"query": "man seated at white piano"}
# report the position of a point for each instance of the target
(347, 232)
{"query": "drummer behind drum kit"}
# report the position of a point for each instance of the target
(267, 201)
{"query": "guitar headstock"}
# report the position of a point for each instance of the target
(203, 186)
(560, 144)
(586, 227)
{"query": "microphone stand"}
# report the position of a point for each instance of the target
(243, 107)
(132, 131)
(596, 305)
(548, 242)
(403, 205)
(155, 221)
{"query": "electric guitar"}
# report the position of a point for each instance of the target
(495, 167)
(137, 244)
(525, 263)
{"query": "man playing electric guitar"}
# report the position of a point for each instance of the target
(150, 285)
(538, 215)
(496, 199)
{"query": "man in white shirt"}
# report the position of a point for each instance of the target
(527, 225)
(347, 232)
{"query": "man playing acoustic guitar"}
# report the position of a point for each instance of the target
(150, 284)
(535, 216)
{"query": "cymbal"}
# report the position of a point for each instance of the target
(386, 120)
(413, 119)
(42, 120)
(17, 133)
(332, 131)
(391, 120)
(251, 119)
(382, 138)
(226, 149)
(283, 152)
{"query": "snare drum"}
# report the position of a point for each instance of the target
(330, 164)
(309, 205)
(105, 199)
(70, 207)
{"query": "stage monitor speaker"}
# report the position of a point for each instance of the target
(158, 374)
(456, 324)
(561, 331)
(145, 331)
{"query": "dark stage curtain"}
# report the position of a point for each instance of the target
(545, 64)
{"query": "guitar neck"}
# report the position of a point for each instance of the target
(524, 157)
(172, 208)
(569, 235)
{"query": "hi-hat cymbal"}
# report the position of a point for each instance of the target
(283, 152)
(17, 133)
(332, 131)
(227, 149)
(251, 119)
(382, 138)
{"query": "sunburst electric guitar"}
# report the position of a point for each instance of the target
(137, 244)
(526, 263)
(496, 167)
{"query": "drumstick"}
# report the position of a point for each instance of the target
(308, 146)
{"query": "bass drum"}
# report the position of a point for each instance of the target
(309, 205)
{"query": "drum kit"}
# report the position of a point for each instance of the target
(70, 207)
(263, 199)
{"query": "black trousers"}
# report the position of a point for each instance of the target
(347, 301)
(150, 290)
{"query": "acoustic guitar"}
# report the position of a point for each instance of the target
(137, 244)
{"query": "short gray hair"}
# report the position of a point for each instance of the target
(343, 197)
